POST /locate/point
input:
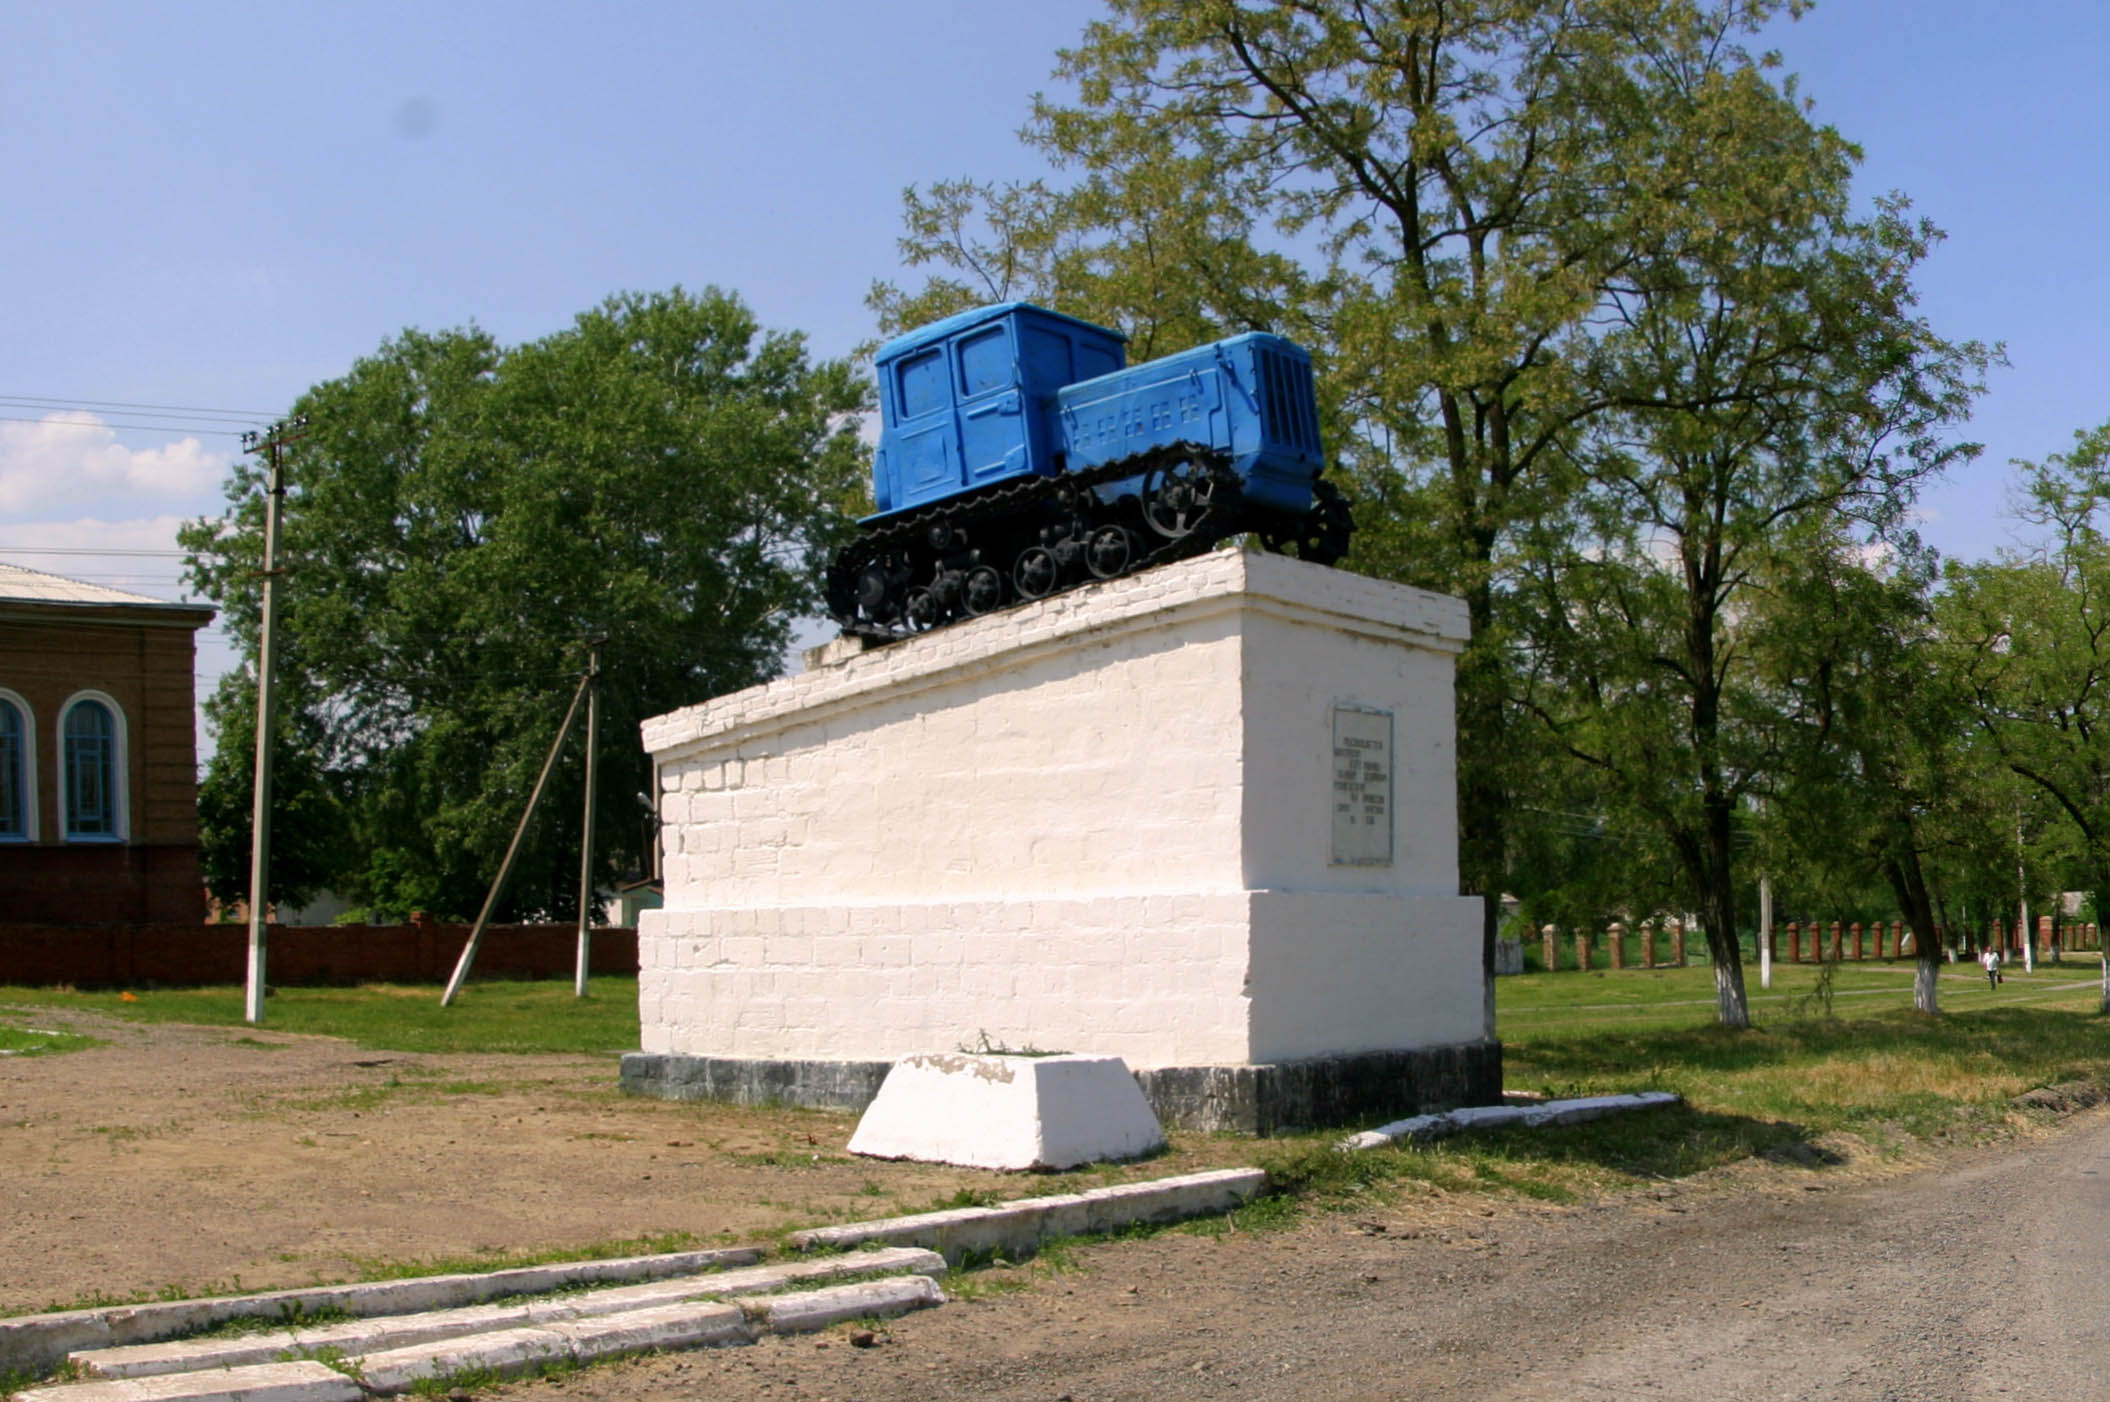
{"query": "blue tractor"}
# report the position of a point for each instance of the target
(1020, 455)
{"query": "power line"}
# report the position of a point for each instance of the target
(31, 400)
(105, 423)
(87, 550)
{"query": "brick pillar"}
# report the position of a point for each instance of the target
(1550, 946)
(2044, 934)
(1582, 948)
(1677, 943)
(1857, 941)
(1648, 944)
(1794, 942)
(1615, 940)
(1838, 935)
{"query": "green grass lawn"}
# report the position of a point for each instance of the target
(493, 1016)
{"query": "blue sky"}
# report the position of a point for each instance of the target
(217, 205)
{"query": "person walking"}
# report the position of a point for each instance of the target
(1991, 960)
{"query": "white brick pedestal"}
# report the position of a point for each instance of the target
(1202, 818)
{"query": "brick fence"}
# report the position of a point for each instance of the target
(138, 955)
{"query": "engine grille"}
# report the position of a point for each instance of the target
(1289, 409)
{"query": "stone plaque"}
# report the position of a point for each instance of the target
(1362, 786)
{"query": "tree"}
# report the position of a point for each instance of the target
(1888, 783)
(462, 518)
(2034, 634)
(1447, 201)
(307, 820)
(1762, 375)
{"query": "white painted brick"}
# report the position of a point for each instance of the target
(1156, 750)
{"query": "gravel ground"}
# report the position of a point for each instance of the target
(1976, 1277)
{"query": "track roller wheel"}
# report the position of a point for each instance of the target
(1109, 552)
(921, 611)
(1178, 497)
(983, 591)
(1036, 573)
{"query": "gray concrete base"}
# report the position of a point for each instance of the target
(829, 1085)
(1263, 1099)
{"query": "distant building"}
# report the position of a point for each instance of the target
(98, 753)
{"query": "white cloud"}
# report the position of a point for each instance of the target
(75, 458)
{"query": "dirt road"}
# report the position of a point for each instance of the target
(1983, 1279)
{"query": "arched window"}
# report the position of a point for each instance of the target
(92, 739)
(18, 771)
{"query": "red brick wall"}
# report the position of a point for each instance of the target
(139, 954)
(142, 659)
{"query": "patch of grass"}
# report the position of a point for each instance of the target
(257, 1043)
(786, 1158)
(499, 1015)
(656, 1244)
(470, 1381)
(42, 1041)
(293, 1316)
(14, 1380)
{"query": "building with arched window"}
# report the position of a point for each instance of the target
(98, 753)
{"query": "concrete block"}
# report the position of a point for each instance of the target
(352, 1337)
(1488, 1117)
(37, 1341)
(809, 1310)
(1002, 808)
(1017, 1228)
(688, 1324)
(1008, 1112)
(505, 1352)
(274, 1382)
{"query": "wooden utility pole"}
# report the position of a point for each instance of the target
(272, 441)
(593, 736)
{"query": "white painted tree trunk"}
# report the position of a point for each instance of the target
(1765, 932)
(1731, 1007)
(1926, 986)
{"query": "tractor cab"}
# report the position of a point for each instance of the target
(970, 401)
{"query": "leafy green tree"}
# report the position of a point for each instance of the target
(1450, 202)
(1893, 778)
(462, 518)
(2034, 633)
(1764, 376)
(307, 820)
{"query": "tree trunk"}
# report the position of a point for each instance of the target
(1718, 910)
(1482, 832)
(1908, 882)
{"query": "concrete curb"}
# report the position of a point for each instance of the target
(272, 1382)
(509, 1352)
(33, 1342)
(434, 1328)
(1021, 1226)
(812, 1310)
(1421, 1128)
